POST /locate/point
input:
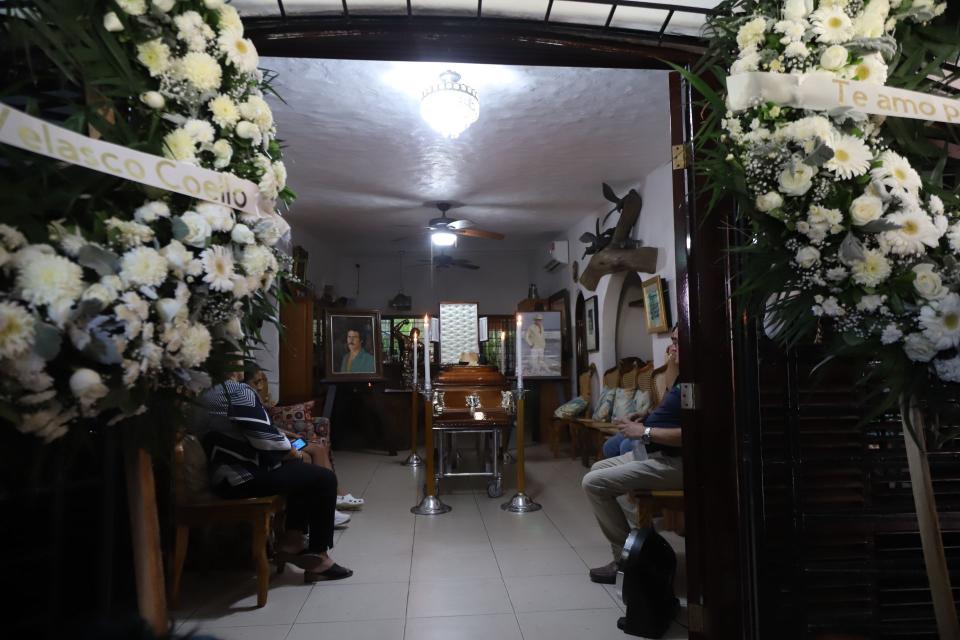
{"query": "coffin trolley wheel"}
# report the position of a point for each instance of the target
(495, 488)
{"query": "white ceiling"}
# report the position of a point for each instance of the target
(363, 163)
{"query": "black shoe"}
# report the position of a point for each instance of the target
(607, 574)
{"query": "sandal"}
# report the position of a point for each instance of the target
(335, 572)
(349, 503)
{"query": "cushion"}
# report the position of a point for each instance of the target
(287, 417)
(643, 401)
(624, 403)
(604, 405)
(193, 483)
(571, 409)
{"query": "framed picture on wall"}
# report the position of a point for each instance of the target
(592, 322)
(654, 306)
(353, 347)
(560, 301)
(540, 344)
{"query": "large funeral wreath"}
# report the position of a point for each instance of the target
(115, 296)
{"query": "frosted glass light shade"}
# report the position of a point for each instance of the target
(450, 106)
(443, 238)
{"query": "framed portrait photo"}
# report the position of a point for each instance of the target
(592, 321)
(654, 306)
(541, 347)
(353, 348)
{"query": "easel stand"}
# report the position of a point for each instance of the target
(413, 460)
(145, 531)
(520, 502)
(431, 504)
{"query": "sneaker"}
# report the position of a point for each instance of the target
(340, 520)
(607, 574)
(349, 503)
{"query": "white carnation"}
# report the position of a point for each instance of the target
(836, 274)
(257, 261)
(11, 238)
(249, 131)
(919, 348)
(200, 130)
(143, 266)
(935, 204)
(128, 233)
(891, 333)
(218, 216)
(241, 234)
(47, 279)
(752, 33)
(223, 154)
(17, 329)
(256, 110)
(150, 211)
(193, 30)
(178, 257)
(132, 311)
(871, 303)
(749, 60)
(796, 50)
(948, 370)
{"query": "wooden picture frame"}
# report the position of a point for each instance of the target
(367, 363)
(541, 358)
(560, 301)
(655, 309)
(592, 324)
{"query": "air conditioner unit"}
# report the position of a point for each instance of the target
(560, 251)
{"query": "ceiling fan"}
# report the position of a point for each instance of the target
(444, 231)
(444, 261)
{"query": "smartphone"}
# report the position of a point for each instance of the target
(298, 444)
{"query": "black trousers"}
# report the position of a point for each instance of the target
(311, 494)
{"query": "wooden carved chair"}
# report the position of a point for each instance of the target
(585, 391)
(196, 506)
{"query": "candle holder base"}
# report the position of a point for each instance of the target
(413, 460)
(520, 503)
(430, 506)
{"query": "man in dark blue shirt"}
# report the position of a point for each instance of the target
(654, 464)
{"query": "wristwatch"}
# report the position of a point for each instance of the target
(645, 438)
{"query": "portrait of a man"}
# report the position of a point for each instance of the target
(357, 359)
(352, 345)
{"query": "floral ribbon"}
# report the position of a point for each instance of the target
(826, 92)
(33, 134)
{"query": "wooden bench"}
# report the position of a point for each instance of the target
(199, 508)
(670, 503)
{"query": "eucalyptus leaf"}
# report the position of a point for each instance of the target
(46, 341)
(851, 249)
(103, 349)
(820, 155)
(876, 226)
(884, 45)
(103, 261)
(180, 229)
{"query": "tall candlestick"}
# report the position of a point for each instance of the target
(519, 362)
(426, 353)
(503, 352)
(415, 335)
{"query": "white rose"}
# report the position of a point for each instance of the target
(797, 180)
(807, 257)
(834, 57)
(919, 348)
(164, 5)
(928, 283)
(241, 234)
(198, 229)
(111, 22)
(866, 209)
(797, 9)
(153, 99)
(769, 201)
(87, 386)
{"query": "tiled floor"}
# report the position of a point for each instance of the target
(476, 573)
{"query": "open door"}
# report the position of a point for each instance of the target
(718, 583)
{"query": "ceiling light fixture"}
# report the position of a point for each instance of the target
(443, 238)
(449, 106)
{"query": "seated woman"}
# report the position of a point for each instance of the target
(249, 457)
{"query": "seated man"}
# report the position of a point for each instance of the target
(654, 463)
(250, 457)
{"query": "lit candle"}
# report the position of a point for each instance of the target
(503, 352)
(519, 363)
(426, 352)
(416, 343)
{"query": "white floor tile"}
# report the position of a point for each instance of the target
(375, 567)
(458, 598)
(273, 632)
(501, 626)
(557, 593)
(525, 560)
(342, 601)
(283, 605)
(353, 630)
(571, 625)
(454, 566)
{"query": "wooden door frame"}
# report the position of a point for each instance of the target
(720, 584)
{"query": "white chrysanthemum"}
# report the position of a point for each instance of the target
(17, 328)
(834, 57)
(48, 279)
(249, 131)
(928, 282)
(851, 156)
(919, 348)
(752, 33)
(218, 268)
(871, 22)
(223, 153)
(916, 233)
(948, 370)
(792, 30)
(225, 111)
(895, 171)
(150, 211)
(198, 229)
(797, 179)
(193, 30)
(872, 270)
(128, 233)
(836, 274)
(218, 216)
(195, 346)
(891, 333)
(832, 307)
(953, 237)
(805, 129)
(239, 51)
(797, 50)
(180, 145)
(831, 24)
(257, 261)
(256, 110)
(871, 69)
(49, 423)
(132, 311)
(200, 130)
(935, 204)
(268, 181)
(865, 209)
(871, 303)
(99, 292)
(201, 70)
(133, 7)
(270, 230)
(749, 60)
(280, 173)
(155, 56)
(178, 257)
(941, 321)
(230, 20)
(143, 266)
(11, 238)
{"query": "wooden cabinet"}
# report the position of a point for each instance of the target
(297, 350)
